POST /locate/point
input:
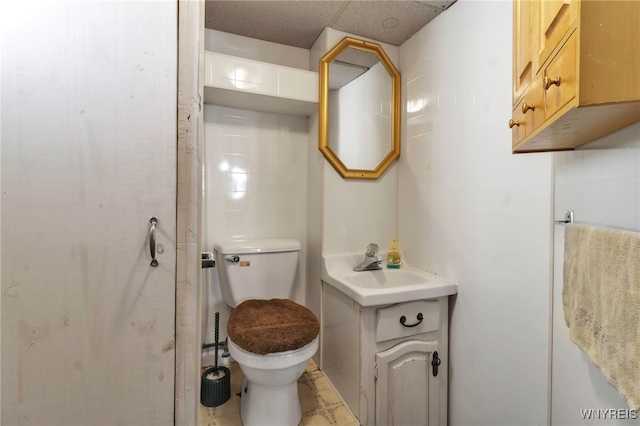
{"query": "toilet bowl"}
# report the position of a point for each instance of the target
(269, 394)
(272, 340)
(271, 337)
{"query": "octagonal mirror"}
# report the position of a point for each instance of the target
(359, 109)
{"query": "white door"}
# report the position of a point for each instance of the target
(88, 146)
(406, 389)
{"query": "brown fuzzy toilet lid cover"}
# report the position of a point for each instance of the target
(264, 326)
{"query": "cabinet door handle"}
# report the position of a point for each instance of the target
(547, 82)
(403, 320)
(526, 107)
(435, 363)
(152, 241)
(513, 122)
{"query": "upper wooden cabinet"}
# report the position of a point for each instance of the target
(576, 72)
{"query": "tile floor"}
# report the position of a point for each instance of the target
(320, 403)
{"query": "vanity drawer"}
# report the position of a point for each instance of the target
(420, 316)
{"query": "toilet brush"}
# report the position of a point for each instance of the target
(215, 386)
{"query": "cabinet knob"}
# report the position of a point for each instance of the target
(513, 122)
(526, 107)
(548, 82)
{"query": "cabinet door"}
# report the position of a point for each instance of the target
(556, 17)
(406, 389)
(522, 46)
(562, 70)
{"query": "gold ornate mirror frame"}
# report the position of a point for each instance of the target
(323, 110)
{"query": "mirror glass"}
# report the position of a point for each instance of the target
(359, 110)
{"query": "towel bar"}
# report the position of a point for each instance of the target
(568, 218)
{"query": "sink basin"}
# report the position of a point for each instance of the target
(385, 286)
(386, 278)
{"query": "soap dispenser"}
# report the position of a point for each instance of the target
(393, 258)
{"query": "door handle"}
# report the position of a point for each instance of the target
(152, 240)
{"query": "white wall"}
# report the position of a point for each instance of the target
(258, 50)
(315, 178)
(601, 183)
(473, 212)
(315, 164)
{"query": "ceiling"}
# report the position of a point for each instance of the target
(299, 23)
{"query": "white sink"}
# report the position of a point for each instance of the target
(370, 288)
(386, 278)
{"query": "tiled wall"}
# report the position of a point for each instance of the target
(601, 183)
(264, 78)
(358, 212)
(254, 173)
(254, 186)
(473, 212)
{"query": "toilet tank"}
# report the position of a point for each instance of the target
(256, 269)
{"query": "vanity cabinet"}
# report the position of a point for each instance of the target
(576, 72)
(389, 363)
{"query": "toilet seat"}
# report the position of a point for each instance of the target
(275, 361)
(267, 326)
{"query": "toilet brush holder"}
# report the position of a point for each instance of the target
(215, 385)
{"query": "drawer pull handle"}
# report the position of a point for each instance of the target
(526, 107)
(403, 319)
(513, 122)
(549, 82)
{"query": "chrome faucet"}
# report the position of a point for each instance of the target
(371, 262)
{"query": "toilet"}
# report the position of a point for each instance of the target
(270, 336)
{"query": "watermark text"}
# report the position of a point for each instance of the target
(608, 413)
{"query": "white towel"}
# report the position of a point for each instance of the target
(601, 299)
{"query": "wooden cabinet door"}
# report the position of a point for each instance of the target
(556, 17)
(406, 389)
(523, 13)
